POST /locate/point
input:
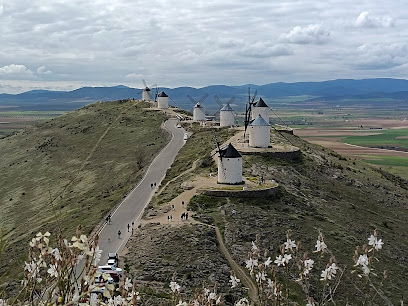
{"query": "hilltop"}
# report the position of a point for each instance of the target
(321, 191)
(72, 170)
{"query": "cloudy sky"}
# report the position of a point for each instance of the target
(66, 44)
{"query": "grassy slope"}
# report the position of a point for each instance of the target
(322, 191)
(49, 161)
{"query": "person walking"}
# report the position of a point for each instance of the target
(119, 232)
(128, 227)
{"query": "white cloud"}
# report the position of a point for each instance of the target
(312, 34)
(364, 20)
(14, 71)
(43, 70)
(377, 56)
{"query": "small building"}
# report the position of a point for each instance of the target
(260, 108)
(229, 166)
(259, 133)
(163, 100)
(227, 117)
(198, 112)
(146, 94)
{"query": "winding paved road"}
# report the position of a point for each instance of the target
(132, 206)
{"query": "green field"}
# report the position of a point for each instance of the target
(387, 138)
(394, 164)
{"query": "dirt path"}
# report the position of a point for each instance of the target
(239, 272)
(175, 209)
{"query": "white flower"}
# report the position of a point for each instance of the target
(243, 302)
(174, 286)
(128, 284)
(234, 281)
(289, 244)
(372, 239)
(260, 276)
(251, 264)
(181, 303)
(320, 246)
(94, 300)
(329, 272)
(53, 271)
(362, 260)
(57, 254)
(30, 267)
(308, 266)
(218, 301)
(267, 262)
(44, 237)
(3, 302)
(287, 257)
(117, 300)
(279, 260)
(366, 270)
(97, 254)
(212, 296)
(377, 244)
(254, 247)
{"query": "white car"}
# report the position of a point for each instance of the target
(185, 137)
(178, 125)
(110, 268)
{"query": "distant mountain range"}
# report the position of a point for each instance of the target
(275, 94)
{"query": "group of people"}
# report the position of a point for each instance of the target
(129, 227)
(153, 185)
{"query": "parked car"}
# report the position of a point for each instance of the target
(178, 125)
(107, 269)
(113, 259)
(185, 137)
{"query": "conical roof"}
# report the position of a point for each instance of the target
(147, 89)
(259, 121)
(163, 94)
(230, 152)
(261, 103)
(198, 105)
(227, 107)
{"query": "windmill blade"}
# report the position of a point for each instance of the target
(218, 101)
(253, 98)
(191, 99)
(203, 98)
(144, 83)
(149, 93)
(174, 102)
(249, 94)
(231, 100)
(280, 133)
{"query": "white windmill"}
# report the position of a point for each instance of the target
(260, 108)
(259, 133)
(147, 92)
(199, 109)
(227, 116)
(163, 100)
(229, 164)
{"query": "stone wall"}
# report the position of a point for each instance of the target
(257, 193)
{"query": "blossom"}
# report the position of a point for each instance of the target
(53, 270)
(128, 284)
(251, 264)
(44, 237)
(362, 260)
(308, 266)
(329, 272)
(97, 254)
(57, 254)
(254, 247)
(234, 281)
(267, 262)
(174, 286)
(260, 276)
(287, 257)
(93, 300)
(289, 244)
(320, 246)
(181, 303)
(3, 302)
(376, 243)
(279, 260)
(212, 296)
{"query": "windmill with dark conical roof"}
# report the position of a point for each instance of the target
(229, 165)
(227, 116)
(260, 108)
